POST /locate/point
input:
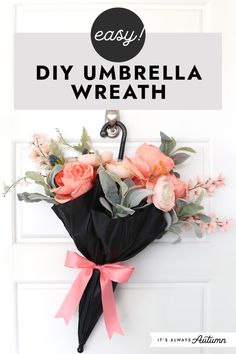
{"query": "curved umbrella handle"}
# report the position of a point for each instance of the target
(111, 129)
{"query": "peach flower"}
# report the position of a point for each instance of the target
(180, 186)
(164, 195)
(75, 179)
(148, 164)
(94, 160)
(118, 168)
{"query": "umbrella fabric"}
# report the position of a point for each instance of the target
(104, 240)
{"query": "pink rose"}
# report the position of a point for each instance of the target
(180, 186)
(164, 195)
(75, 179)
(148, 164)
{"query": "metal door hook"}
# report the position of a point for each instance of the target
(112, 128)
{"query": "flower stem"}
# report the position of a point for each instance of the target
(13, 185)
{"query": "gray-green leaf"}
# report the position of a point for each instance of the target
(200, 198)
(109, 187)
(106, 205)
(204, 218)
(35, 197)
(179, 157)
(135, 196)
(189, 210)
(123, 211)
(197, 230)
(168, 220)
(52, 174)
(35, 176)
(167, 144)
(186, 148)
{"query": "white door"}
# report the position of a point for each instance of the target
(186, 287)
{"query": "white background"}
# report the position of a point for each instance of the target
(185, 287)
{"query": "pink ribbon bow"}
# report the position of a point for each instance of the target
(112, 271)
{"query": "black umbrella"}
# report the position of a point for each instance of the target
(104, 240)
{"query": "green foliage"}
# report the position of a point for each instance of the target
(199, 199)
(56, 150)
(179, 158)
(187, 208)
(204, 218)
(39, 179)
(122, 198)
(186, 148)
(167, 144)
(34, 198)
(52, 174)
(84, 144)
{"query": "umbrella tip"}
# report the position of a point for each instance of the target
(80, 348)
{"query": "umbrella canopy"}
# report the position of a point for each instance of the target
(104, 240)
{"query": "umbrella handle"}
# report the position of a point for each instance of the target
(80, 348)
(111, 129)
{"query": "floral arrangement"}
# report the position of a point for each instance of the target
(113, 210)
(151, 176)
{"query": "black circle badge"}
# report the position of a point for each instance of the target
(118, 34)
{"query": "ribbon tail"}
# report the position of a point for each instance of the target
(72, 299)
(109, 307)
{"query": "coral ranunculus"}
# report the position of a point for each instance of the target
(75, 179)
(148, 164)
(164, 195)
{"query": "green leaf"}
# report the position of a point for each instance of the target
(34, 198)
(168, 220)
(129, 182)
(56, 150)
(106, 205)
(165, 138)
(134, 197)
(123, 211)
(186, 148)
(200, 198)
(167, 144)
(181, 202)
(109, 187)
(175, 228)
(196, 229)
(141, 206)
(84, 143)
(179, 157)
(189, 210)
(174, 216)
(177, 231)
(35, 176)
(176, 174)
(39, 179)
(204, 218)
(123, 186)
(52, 174)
